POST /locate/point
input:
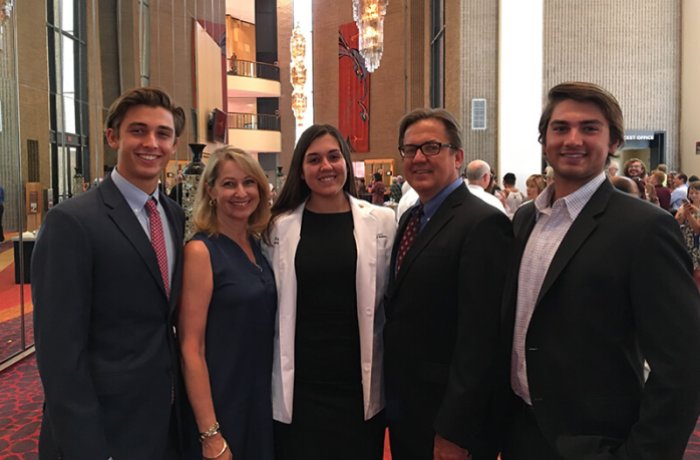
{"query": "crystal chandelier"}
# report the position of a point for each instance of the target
(5, 10)
(297, 46)
(369, 17)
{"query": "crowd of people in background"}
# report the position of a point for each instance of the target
(471, 320)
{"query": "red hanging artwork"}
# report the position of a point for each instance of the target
(353, 90)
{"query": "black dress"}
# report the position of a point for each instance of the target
(328, 414)
(239, 337)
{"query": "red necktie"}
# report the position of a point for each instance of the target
(158, 241)
(409, 235)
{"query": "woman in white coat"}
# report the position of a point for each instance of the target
(330, 253)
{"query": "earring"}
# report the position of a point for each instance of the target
(212, 202)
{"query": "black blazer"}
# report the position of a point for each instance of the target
(442, 320)
(103, 328)
(619, 290)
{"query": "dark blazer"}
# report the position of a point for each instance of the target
(442, 322)
(619, 290)
(103, 326)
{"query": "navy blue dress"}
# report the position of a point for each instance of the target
(239, 336)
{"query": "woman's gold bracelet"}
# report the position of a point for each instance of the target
(212, 431)
(223, 449)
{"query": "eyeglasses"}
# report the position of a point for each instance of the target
(428, 148)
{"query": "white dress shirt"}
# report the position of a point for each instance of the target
(553, 223)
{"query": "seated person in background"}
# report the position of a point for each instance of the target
(680, 190)
(378, 189)
(689, 218)
(656, 181)
(548, 175)
(408, 199)
(395, 190)
(511, 197)
(625, 184)
(535, 184)
(670, 178)
(361, 186)
(634, 169)
(478, 179)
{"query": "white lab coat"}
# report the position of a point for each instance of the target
(374, 230)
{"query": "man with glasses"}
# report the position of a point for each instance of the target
(442, 306)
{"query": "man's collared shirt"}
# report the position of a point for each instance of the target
(431, 207)
(486, 197)
(677, 196)
(136, 199)
(553, 221)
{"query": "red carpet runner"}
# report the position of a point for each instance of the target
(21, 399)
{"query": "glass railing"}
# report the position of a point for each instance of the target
(253, 69)
(261, 121)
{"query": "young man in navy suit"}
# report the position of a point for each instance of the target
(106, 273)
(582, 323)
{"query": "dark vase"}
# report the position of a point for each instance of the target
(195, 167)
(190, 182)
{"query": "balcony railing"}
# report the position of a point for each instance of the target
(253, 69)
(261, 121)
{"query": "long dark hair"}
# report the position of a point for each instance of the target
(295, 191)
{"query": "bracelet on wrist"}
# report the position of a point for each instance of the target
(210, 432)
(223, 450)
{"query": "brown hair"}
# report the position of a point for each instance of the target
(204, 214)
(536, 180)
(660, 176)
(151, 97)
(585, 92)
(452, 127)
(295, 191)
(695, 185)
(627, 164)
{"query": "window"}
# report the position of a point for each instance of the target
(68, 94)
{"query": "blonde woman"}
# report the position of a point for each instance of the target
(227, 311)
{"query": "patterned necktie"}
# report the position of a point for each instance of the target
(158, 241)
(409, 235)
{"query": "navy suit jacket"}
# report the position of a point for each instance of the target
(103, 325)
(619, 290)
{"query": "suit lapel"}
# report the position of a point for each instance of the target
(582, 227)
(123, 217)
(365, 229)
(440, 219)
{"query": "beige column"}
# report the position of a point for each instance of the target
(520, 87)
(690, 87)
